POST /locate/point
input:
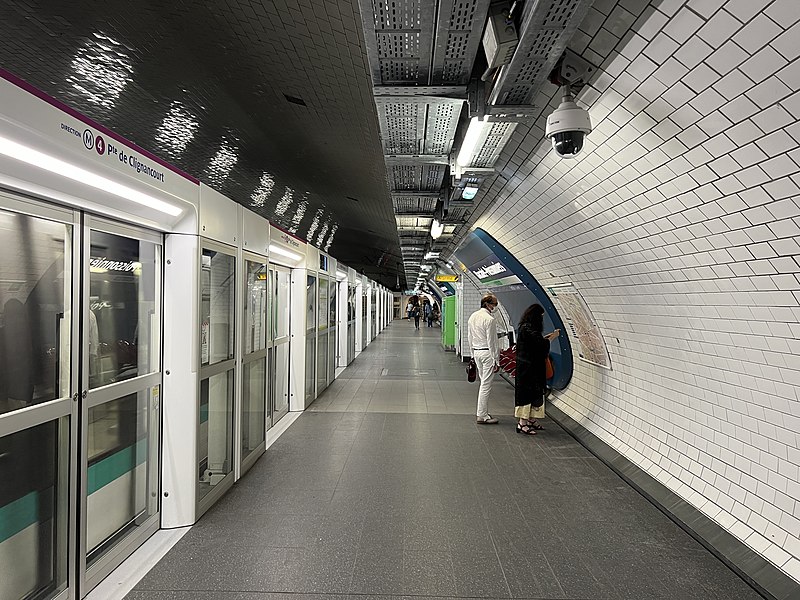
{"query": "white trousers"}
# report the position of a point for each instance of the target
(485, 362)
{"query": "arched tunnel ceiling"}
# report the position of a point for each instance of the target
(268, 102)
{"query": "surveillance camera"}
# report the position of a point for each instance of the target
(567, 127)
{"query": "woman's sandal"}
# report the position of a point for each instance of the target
(534, 424)
(526, 429)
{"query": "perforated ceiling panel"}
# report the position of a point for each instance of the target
(458, 39)
(399, 35)
(416, 177)
(547, 27)
(418, 125)
(417, 204)
(421, 55)
(268, 102)
(496, 138)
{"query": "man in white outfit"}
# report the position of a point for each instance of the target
(482, 337)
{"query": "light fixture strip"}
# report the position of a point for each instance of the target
(283, 252)
(59, 167)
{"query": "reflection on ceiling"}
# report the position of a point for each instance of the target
(268, 104)
(101, 70)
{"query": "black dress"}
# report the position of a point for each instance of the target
(532, 350)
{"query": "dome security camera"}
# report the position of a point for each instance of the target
(567, 127)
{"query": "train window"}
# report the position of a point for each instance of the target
(217, 306)
(123, 327)
(35, 282)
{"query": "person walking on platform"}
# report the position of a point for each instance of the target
(415, 310)
(482, 339)
(532, 352)
(409, 306)
(428, 313)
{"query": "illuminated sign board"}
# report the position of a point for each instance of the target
(449, 278)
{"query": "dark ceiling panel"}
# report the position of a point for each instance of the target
(268, 102)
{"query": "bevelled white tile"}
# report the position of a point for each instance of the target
(706, 8)
(784, 12)
(739, 109)
(661, 48)
(726, 58)
(757, 33)
(719, 28)
(773, 118)
(763, 64)
(701, 77)
(683, 25)
(744, 10)
(733, 84)
(707, 101)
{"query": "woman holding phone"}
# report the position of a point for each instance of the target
(532, 351)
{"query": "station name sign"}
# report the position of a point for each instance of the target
(447, 278)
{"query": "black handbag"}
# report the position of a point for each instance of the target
(472, 370)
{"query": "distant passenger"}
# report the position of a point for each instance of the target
(482, 339)
(409, 306)
(532, 351)
(415, 312)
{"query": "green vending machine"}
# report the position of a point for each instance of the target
(449, 323)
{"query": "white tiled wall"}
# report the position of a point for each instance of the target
(469, 300)
(680, 225)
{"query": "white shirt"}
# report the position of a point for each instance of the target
(482, 332)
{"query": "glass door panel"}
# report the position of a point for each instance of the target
(34, 468)
(254, 360)
(123, 469)
(322, 335)
(311, 337)
(35, 326)
(333, 329)
(218, 276)
(255, 319)
(217, 343)
(121, 424)
(123, 328)
(351, 323)
(254, 405)
(38, 374)
(364, 319)
(280, 302)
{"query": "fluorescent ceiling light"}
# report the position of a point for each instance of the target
(282, 252)
(431, 255)
(470, 141)
(70, 171)
(436, 229)
(468, 193)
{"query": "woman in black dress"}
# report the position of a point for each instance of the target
(532, 351)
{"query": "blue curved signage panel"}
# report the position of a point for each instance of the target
(516, 289)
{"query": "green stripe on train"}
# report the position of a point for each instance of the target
(115, 466)
(18, 515)
(24, 512)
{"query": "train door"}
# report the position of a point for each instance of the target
(39, 383)
(364, 314)
(323, 334)
(278, 342)
(351, 322)
(119, 409)
(333, 329)
(373, 314)
(254, 360)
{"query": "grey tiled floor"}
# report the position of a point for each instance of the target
(389, 488)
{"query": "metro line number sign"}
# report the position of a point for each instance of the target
(97, 142)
